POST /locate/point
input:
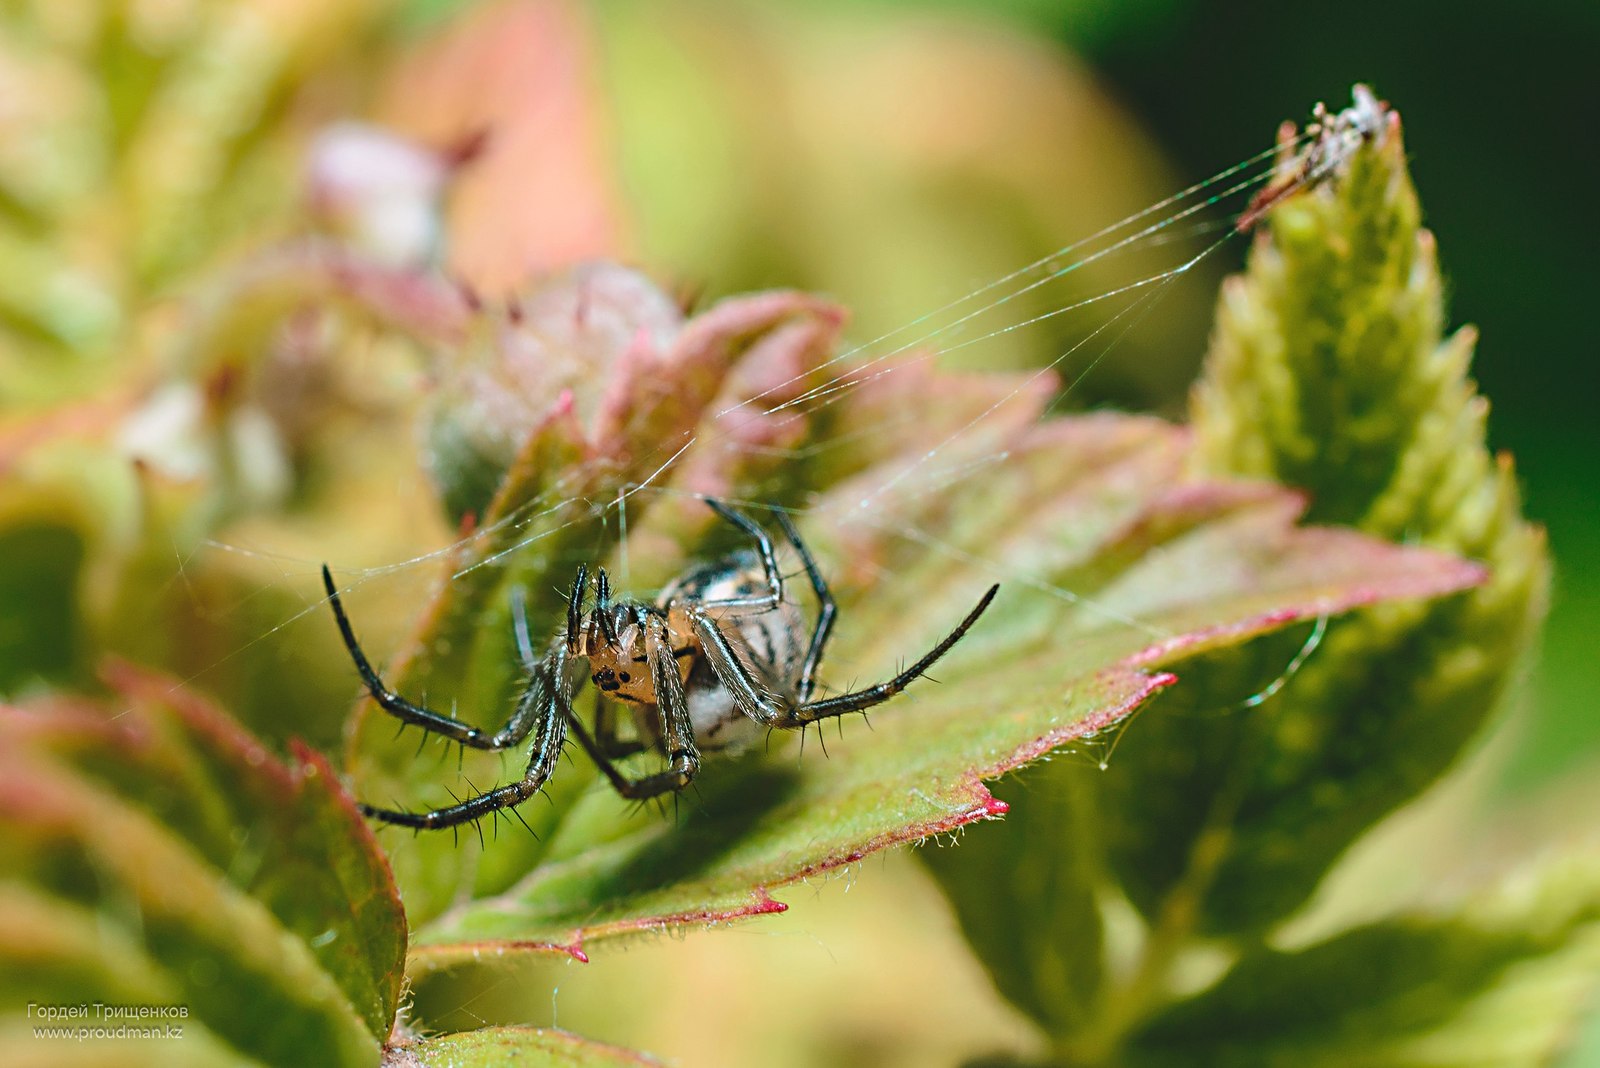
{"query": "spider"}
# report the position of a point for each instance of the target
(718, 656)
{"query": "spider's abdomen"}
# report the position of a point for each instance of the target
(771, 642)
(734, 576)
(770, 645)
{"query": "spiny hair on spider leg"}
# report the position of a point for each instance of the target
(639, 804)
(514, 812)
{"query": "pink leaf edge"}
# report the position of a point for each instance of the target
(980, 804)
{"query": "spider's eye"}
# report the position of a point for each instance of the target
(625, 677)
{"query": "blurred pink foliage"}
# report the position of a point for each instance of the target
(517, 84)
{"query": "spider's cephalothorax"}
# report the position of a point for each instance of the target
(723, 652)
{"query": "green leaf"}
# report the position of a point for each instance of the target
(157, 855)
(1224, 808)
(1497, 982)
(1329, 371)
(511, 1047)
(1112, 563)
(1038, 930)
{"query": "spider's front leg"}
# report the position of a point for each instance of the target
(402, 709)
(542, 711)
(677, 729)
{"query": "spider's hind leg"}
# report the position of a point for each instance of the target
(769, 560)
(861, 700)
(605, 731)
(774, 710)
(826, 609)
(644, 788)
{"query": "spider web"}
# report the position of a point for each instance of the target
(1147, 254)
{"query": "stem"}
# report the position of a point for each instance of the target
(1125, 1005)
